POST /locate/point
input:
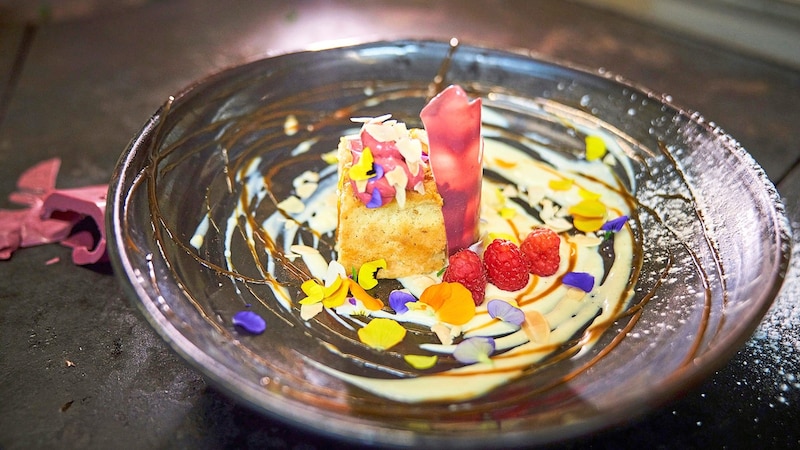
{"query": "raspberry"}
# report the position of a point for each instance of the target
(465, 267)
(540, 247)
(506, 266)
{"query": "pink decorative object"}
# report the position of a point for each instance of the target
(453, 124)
(51, 214)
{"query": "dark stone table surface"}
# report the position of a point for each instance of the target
(81, 368)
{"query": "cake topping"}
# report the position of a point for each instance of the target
(453, 124)
(387, 161)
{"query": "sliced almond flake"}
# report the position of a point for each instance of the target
(420, 187)
(292, 205)
(510, 190)
(303, 250)
(536, 195)
(548, 209)
(584, 240)
(443, 333)
(400, 196)
(308, 312)
(291, 125)
(536, 327)
(574, 293)
(398, 179)
(420, 134)
(558, 224)
(370, 119)
(306, 189)
(335, 270)
(361, 185)
(411, 150)
(308, 175)
(382, 132)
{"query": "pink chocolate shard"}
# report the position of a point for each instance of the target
(51, 214)
(453, 124)
(89, 202)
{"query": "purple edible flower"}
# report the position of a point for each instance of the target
(376, 200)
(580, 280)
(378, 169)
(250, 322)
(506, 312)
(398, 300)
(615, 225)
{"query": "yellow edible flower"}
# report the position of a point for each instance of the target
(368, 271)
(595, 148)
(421, 362)
(363, 169)
(588, 215)
(563, 184)
(381, 333)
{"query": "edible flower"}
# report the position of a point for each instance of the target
(375, 200)
(364, 169)
(588, 215)
(421, 362)
(452, 302)
(581, 280)
(382, 333)
(508, 212)
(475, 349)
(398, 300)
(595, 148)
(371, 303)
(499, 309)
(367, 273)
(563, 184)
(249, 321)
(615, 225)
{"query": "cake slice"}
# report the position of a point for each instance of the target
(395, 213)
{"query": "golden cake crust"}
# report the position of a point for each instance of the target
(411, 239)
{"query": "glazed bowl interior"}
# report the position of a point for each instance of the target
(709, 270)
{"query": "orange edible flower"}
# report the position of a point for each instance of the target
(369, 302)
(452, 302)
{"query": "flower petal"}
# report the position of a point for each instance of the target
(368, 271)
(589, 208)
(581, 280)
(615, 225)
(363, 169)
(382, 334)
(475, 349)
(337, 297)
(398, 300)
(595, 148)
(452, 302)
(369, 302)
(421, 362)
(313, 290)
(250, 322)
(499, 309)
(563, 184)
(587, 225)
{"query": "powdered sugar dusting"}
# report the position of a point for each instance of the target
(775, 345)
